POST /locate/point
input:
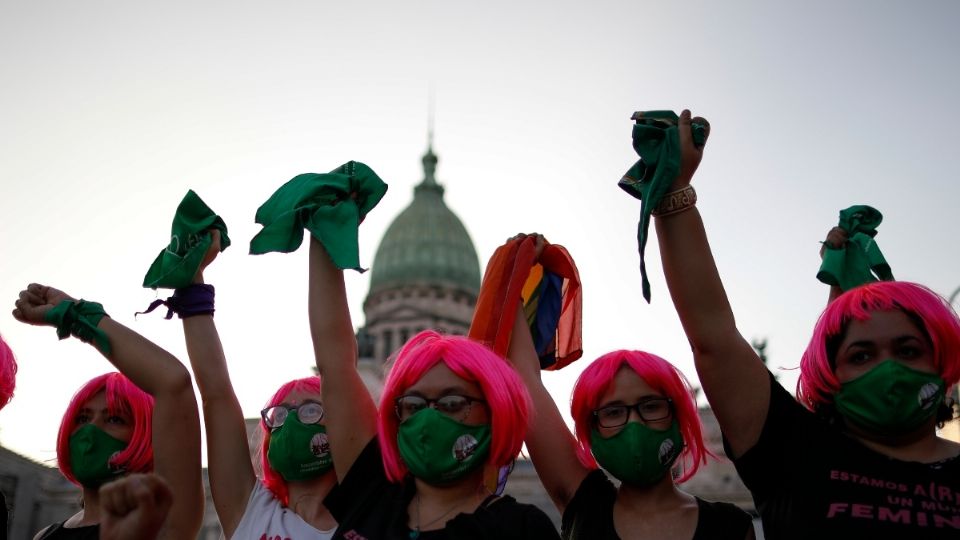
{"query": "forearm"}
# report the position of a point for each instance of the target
(176, 450)
(552, 447)
(176, 447)
(351, 413)
(694, 282)
(208, 359)
(330, 325)
(153, 369)
(231, 474)
(734, 378)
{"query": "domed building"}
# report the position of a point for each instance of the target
(425, 274)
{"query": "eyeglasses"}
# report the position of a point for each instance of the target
(308, 412)
(451, 405)
(650, 410)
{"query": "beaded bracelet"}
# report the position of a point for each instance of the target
(676, 202)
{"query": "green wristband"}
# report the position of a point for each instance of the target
(80, 319)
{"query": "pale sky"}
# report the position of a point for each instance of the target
(110, 111)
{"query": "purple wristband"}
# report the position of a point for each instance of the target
(196, 299)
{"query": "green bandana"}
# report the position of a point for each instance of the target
(190, 238)
(331, 206)
(638, 455)
(299, 451)
(856, 262)
(437, 449)
(91, 449)
(80, 319)
(891, 398)
(656, 139)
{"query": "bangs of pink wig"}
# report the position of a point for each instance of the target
(8, 373)
(272, 479)
(123, 397)
(507, 399)
(818, 382)
(597, 379)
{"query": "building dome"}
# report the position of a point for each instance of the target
(426, 244)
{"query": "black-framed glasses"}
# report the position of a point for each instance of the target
(452, 405)
(650, 410)
(308, 412)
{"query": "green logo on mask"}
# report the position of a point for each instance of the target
(891, 398)
(638, 454)
(438, 449)
(299, 451)
(91, 449)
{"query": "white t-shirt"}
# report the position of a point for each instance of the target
(266, 518)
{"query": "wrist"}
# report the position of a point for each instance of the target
(676, 201)
(81, 319)
(192, 300)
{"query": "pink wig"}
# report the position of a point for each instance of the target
(272, 479)
(506, 396)
(818, 383)
(664, 378)
(123, 397)
(8, 373)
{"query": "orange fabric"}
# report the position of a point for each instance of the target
(503, 285)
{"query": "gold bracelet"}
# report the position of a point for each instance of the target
(677, 201)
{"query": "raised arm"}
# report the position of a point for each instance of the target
(232, 477)
(176, 422)
(351, 412)
(734, 378)
(552, 447)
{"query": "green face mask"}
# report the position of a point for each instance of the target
(638, 454)
(438, 449)
(891, 398)
(90, 451)
(299, 451)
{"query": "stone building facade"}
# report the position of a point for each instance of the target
(36, 494)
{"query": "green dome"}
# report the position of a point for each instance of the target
(427, 243)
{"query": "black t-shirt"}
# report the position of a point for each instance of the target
(58, 532)
(810, 480)
(369, 507)
(590, 514)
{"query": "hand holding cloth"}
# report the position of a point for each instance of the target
(656, 140)
(860, 260)
(331, 206)
(550, 291)
(190, 238)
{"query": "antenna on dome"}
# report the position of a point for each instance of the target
(430, 159)
(431, 105)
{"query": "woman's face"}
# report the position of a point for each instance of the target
(629, 389)
(886, 335)
(94, 411)
(440, 381)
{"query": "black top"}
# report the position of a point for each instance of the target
(58, 532)
(808, 478)
(590, 514)
(369, 507)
